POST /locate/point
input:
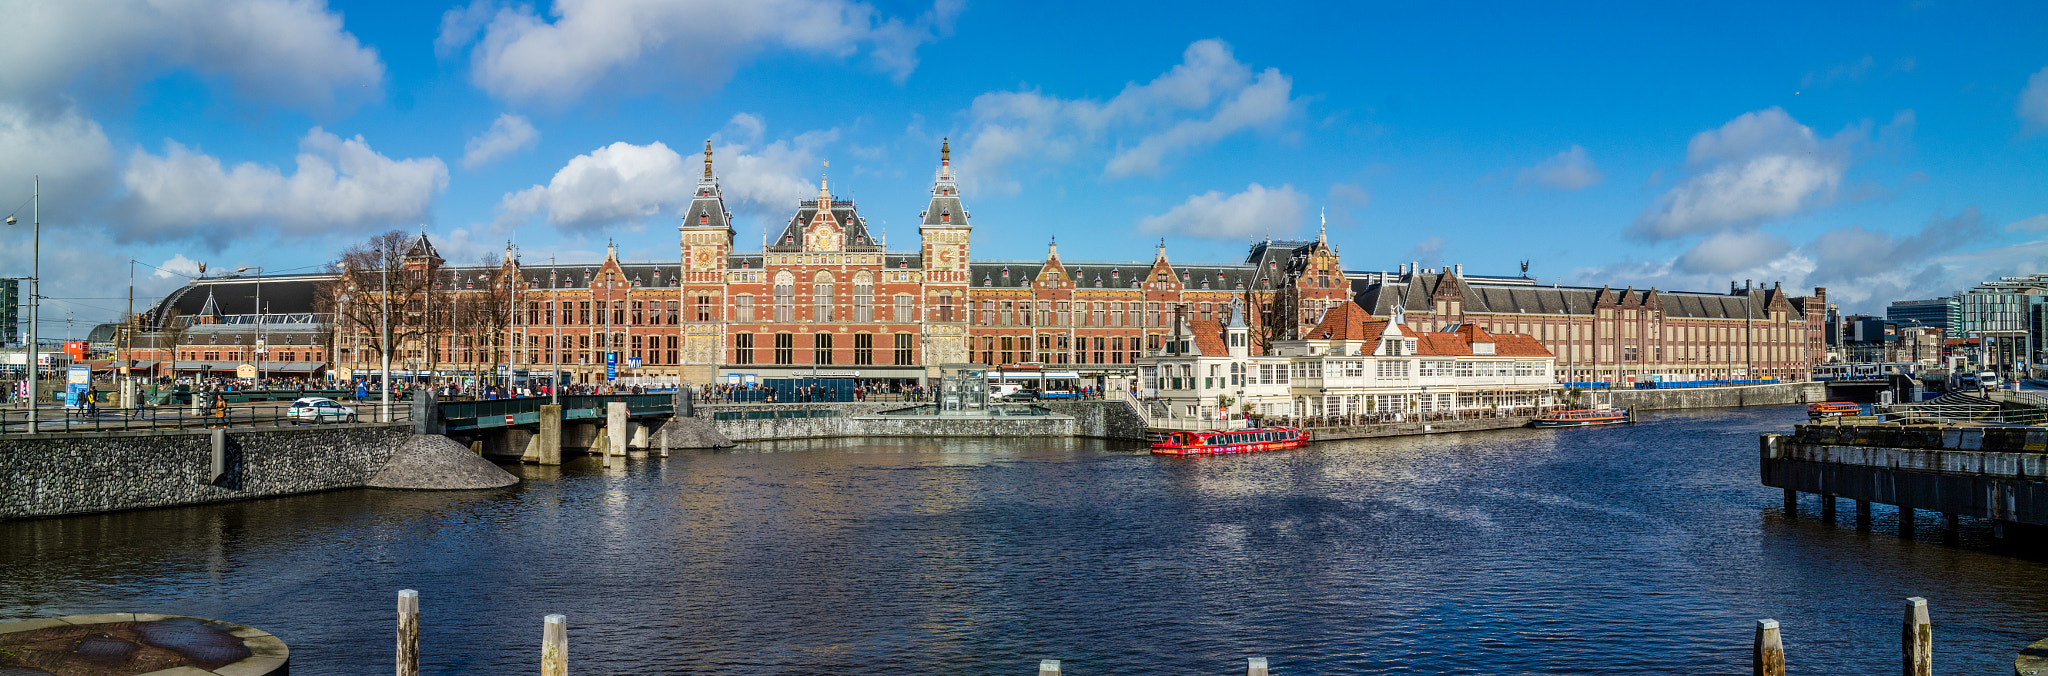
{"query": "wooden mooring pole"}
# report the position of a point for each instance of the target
(554, 646)
(1255, 666)
(1048, 668)
(408, 632)
(1916, 640)
(1767, 655)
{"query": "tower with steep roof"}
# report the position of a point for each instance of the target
(943, 233)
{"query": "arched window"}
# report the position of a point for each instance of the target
(821, 297)
(863, 297)
(785, 297)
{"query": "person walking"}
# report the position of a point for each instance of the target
(220, 411)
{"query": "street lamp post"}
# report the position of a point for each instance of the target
(260, 346)
(34, 297)
(384, 324)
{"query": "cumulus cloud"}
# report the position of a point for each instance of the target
(177, 266)
(1758, 166)
(1209, 96)
(626, 184)
(290, 51)
(2034, 223)
(1569, 170)
(1864, 269)
(65, 148)
(621, 182)
(1256, 211)
(1854, 253)
(637, 45)
(1429, 251)
(1732, 251)
(2033, 105)
(508, 134)
(339, 183)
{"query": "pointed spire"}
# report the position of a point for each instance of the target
(945, 157)
(1323, 230)
(611, 250)
(1161, 255)
(707, 159)
(1052, 250)
(824, 194)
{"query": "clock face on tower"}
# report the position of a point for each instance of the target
(946, 256)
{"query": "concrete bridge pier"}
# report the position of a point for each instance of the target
(1906, 521)
(1955, 527)
(1791, 502)
(615, 427)
(549, 441)
(1863, 514)
(1827, 507)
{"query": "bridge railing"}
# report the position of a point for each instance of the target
(79, 419)
(639, 404)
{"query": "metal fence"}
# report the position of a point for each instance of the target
(73, 419)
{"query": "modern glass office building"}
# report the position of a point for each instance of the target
(1945, 313)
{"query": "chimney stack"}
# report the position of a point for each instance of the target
(1458, 269)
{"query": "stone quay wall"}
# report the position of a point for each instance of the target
(767, 422)
(53, 474)
(1779, 394)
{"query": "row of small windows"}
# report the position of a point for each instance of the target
(823, 351)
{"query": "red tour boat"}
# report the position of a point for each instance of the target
(1829, 409)
(1241, 441)
(1584, 417)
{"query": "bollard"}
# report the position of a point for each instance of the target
(554, 646)
(408, 632)
(1767, 656)
(1048, 668)
(1255, 666)
(1916, 640)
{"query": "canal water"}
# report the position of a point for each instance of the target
(1647, 549)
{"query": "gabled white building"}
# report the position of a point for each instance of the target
(1350, 369)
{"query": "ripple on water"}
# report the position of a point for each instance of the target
(1638, 550)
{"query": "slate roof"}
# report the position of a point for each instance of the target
(856, 228)
(1416, 293)
(1109, 274)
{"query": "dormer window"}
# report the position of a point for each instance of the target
(945, 217)
(703, 218)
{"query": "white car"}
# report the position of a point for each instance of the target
(320, 409)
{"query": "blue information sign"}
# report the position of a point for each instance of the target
(611, 366)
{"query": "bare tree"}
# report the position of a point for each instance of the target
(359, 283)
(1267, 317)
(483, 310)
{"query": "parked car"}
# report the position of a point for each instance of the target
(320, 409)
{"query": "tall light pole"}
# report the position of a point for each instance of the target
(555, 318)
(34, 297)
(384, 323)
(260, 347)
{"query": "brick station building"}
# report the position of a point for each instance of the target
(825, 296)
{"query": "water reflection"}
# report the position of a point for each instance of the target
(1645, 549)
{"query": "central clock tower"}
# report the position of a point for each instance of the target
(943, 233)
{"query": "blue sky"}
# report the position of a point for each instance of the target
(1885, 150)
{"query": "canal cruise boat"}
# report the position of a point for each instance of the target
(1832, 409)
(1241, 441)
(1583, 417)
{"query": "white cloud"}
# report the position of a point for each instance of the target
(508, 134)
(339, 183)
(618, 183)
(626, 184)
(1254, 212)
(177, 266)
(1863, 269)
(1430, 251)
(1569, 170)
(637, 45)
(1209, 96)
(2033, 105)
(1758, 166)
(1732, 251)
(290, 51)
(2034, 223)
(66, 149)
